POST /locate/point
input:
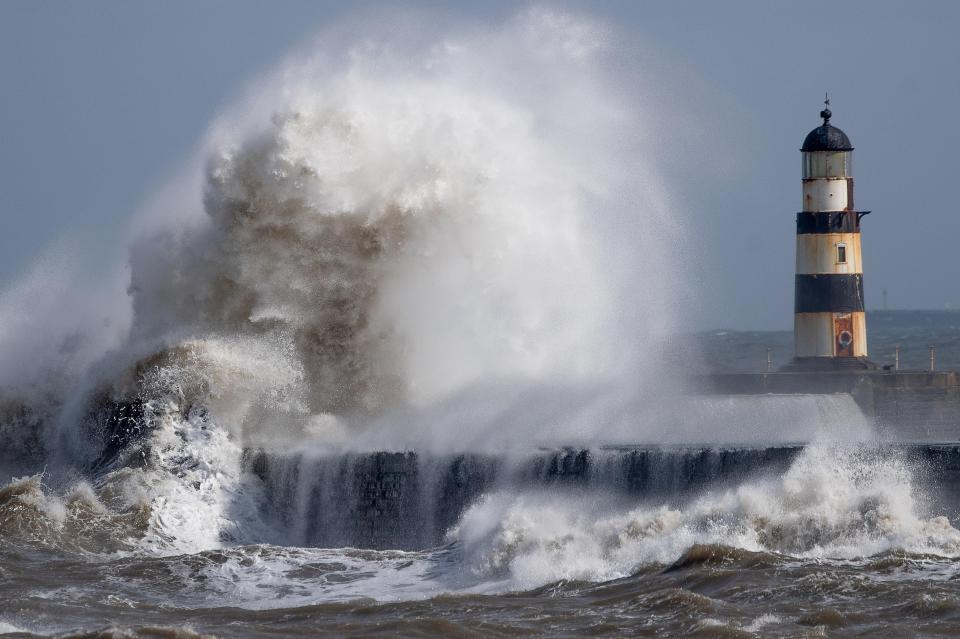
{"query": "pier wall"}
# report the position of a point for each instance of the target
(911, 406)
(410, 500)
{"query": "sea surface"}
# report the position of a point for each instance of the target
(177, 532)
(914, 332)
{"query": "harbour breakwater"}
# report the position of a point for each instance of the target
(409, 500)
(170, 480)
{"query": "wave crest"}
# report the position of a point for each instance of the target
(833, 503)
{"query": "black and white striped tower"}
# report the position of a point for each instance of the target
(830, 328)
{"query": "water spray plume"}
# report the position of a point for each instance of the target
(425, 216)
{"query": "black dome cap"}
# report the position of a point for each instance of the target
(826, 137)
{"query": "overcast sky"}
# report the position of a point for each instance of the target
(103, 101)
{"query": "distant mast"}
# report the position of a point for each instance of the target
(829, 328)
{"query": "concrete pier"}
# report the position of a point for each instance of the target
(409, 500)
(912, 406)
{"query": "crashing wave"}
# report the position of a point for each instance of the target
(831, 503)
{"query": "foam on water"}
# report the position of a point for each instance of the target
(198, 508)
(833, 502)
(7, 628)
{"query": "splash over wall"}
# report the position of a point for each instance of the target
(401, 219)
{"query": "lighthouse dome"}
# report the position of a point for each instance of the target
(826, 137)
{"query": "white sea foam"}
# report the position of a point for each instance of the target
(833, 502)
(9, 628)
(762, 622)
(262, 577)
(837, 505)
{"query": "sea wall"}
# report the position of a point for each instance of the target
(409, 500)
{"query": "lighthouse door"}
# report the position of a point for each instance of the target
(843, 334)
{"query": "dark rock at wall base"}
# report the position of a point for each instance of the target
(113, 434)
(23, 436)
(118, 429)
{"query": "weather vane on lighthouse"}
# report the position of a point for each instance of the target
(830, 328)
(826, 113)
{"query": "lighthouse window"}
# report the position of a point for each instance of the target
(841, 253)
(826, 164)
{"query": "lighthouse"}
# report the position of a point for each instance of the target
(829, 328)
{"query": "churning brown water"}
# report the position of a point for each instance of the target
(796, 541)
